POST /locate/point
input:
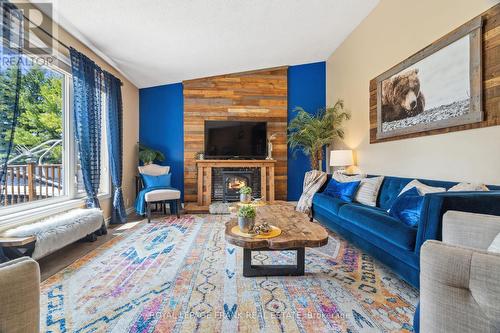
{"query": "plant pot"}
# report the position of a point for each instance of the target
(245, 198)
(246, 224)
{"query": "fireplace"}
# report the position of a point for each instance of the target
(232, 181)
(226, 183)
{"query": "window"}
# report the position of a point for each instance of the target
(43, 166)
(36, 168)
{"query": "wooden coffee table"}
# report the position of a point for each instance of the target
(297, 232)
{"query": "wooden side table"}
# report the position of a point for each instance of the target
(11, 247)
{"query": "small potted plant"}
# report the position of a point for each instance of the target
(246, 218)
(245, 194)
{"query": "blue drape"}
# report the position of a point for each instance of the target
(87, 109)
(115, 150)
(10, 70)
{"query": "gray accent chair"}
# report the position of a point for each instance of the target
(20, 296)
(459, 278)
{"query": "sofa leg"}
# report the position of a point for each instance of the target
(149, 212)
(178, 207)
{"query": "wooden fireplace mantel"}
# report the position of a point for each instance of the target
(204, 180)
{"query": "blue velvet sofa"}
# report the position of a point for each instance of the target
(386, 238)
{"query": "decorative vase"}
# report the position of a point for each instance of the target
(246, 224)
(245, 198)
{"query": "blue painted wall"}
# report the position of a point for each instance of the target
(161, 120)
(307, 89)
(161, 126)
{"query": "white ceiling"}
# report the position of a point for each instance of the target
(154, 42)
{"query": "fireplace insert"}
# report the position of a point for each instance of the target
(232, 181)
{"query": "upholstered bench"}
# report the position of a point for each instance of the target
(55, 232)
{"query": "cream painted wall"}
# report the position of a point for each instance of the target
(393, 31)
(130, 96)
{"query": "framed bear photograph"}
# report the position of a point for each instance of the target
(438, 87)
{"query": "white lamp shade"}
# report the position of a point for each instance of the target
(341, 158)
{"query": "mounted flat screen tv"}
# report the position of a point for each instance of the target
(235, 139)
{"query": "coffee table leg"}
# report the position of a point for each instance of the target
(250, 270)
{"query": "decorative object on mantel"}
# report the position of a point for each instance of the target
(270, 146)
(313, 180)
(148, 155)
(437, 88)
(245, 194)
(246, 218)
(341, 159)
(199, 155)
(310, 133)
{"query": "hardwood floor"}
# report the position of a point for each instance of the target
(61, 259)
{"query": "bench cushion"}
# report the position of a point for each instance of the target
(59, 230)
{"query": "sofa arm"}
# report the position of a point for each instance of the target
(470, 229)
(459, 289)
(435, 205)
(20, 296)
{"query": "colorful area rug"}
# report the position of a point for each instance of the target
(179, 275)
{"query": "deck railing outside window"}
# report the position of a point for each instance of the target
(30, 182)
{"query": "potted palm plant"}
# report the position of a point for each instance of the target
(246, 218)
(310, 133)
(245, 194)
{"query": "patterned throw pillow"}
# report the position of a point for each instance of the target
(476, 187)
(495, 245)
(343, 191)
(407, 207)
(368, 187)
(422, 188)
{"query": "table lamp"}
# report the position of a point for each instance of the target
(341, 159)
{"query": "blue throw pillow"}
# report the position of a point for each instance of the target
(344, 191)
(407, 207)
(156, 181)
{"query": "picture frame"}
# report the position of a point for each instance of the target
(428, 91)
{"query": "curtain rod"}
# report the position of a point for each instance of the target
(57, 40)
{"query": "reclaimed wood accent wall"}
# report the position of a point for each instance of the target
(491, 83)
(257, 96)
